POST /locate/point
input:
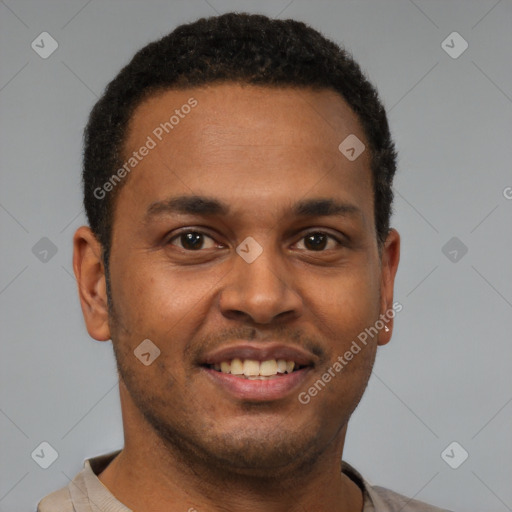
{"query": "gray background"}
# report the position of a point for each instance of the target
(444, 377)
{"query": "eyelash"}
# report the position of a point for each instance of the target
(198, 231)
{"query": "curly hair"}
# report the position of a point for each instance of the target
(233, 47)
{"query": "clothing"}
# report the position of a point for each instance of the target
(86, 493)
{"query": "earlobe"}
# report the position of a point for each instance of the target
(90, 275)
(389, 266)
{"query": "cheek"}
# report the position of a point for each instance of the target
(345, 323)
(158, 299)
(347, 302)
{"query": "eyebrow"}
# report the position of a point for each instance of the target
(207, 206)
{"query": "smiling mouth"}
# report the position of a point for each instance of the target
(252, 369)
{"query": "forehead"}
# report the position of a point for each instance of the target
(232, 112)
(242, 143)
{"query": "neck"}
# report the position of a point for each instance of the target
(174, 480)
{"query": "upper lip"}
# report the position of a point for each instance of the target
(260, 351)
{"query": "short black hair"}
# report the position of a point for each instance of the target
(233, 47)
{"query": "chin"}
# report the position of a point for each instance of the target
(263, 451)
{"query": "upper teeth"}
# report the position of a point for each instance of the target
(253, 368)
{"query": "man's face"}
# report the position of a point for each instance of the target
(178, 280)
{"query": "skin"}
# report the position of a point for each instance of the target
(188, 443)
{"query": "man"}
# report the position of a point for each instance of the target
(237, 181)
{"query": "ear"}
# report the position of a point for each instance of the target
(389, 265)
(92, 290)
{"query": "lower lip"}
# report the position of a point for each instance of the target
(258, 390)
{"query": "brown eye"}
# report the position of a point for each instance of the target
(192, 240)
(318, 241)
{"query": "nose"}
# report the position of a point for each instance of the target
(262, 290)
